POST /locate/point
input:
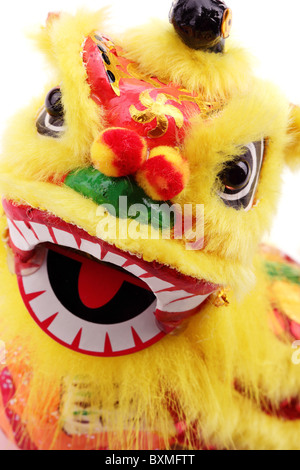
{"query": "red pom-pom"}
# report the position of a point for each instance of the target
(164, 175)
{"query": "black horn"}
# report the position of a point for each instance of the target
(202, 24)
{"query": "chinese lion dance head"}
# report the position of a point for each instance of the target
(136, 308)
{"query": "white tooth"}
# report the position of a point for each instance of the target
(92, 249)
(183, 305)
(115, 259)
(156, 284)
(120, 337)
(17, 239)
(42, 232)
(93, 338)
(38, 282)
(43, 306)
(145, 324)
(167, 297)
(64, 238)
(65, 326)
(27, 233)
(28, 271)
(136, 270)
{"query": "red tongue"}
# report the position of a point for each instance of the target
(98, 283)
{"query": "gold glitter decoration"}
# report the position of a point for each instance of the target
(114, 66)
(156, 109)
(221, 298)
(133, 71)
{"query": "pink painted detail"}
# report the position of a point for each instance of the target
(5, 443)
(290, 409)
(169, 321)
(7, 387)
(289, 326)
(8, 391)
(295, 330)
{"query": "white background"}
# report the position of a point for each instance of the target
(268, 28)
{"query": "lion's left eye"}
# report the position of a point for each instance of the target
(50, 121)
(239, 177)
(53, 103)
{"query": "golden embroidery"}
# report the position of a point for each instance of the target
(158, 110)
(114, 67)
(133, 71)
(207, 108)
(118, 70)
(221, 298)
(226, 23)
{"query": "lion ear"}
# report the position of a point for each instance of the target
(292, 151)
(64, 31)
(42, 36)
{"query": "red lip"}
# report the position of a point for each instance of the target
(176, 296)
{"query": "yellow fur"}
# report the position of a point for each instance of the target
(220, 346)
(211, 145)
(293, 149)
(215, 75)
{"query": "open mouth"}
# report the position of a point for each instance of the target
(90, 296)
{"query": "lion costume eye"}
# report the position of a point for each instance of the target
(50, 121)
(53, 103)
(239, 178)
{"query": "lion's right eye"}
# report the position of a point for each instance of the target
(236, 175)
(239, 177)
(50, 121)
